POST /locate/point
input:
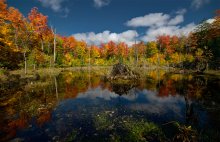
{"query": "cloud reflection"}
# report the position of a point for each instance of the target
(141, 100)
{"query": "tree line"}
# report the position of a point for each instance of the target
(31, 42)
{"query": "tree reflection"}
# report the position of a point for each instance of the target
(191, 116)
(122, 89)
(44, 116)
(194, 89)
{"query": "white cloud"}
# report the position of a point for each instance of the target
(157, 19)
(199, 3)
(152, 33)
(161, 23)
(106, 36)
(152, 19)
(176, 20)
(101, 3)
(210, 21)
(55, 5)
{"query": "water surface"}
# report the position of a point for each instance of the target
(82, 106)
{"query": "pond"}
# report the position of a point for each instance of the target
(83, 106)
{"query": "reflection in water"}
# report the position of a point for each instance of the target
(122, 89)
(191, 116)
(55, 82)
(76, 105)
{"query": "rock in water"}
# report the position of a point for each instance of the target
(122, 72)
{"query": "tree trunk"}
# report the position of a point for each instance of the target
(54, 46)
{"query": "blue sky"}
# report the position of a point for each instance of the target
(98, 21)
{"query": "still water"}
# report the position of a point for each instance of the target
(82, 106)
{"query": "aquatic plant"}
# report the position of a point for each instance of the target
(185, 134)
(126, 128)
(142, 131)
(102, 121)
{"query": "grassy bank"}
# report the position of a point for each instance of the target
(43, 72)
(100, 70)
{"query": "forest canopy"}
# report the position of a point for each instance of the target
(30, 41)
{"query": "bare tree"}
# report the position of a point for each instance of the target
(54, 45)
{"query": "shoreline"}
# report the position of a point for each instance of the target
(54, 71)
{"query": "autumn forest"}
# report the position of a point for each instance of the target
(31, 42)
